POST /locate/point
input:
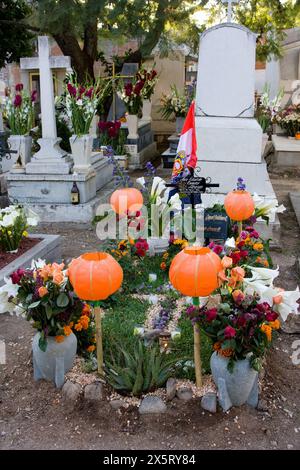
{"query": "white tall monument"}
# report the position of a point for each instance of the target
(229, 137)
(50, 159)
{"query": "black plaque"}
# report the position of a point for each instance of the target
(215, 225)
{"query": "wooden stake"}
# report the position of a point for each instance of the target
(197, 349)
(240, 227)
(97, 312)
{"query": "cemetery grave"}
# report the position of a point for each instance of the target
(164, 297)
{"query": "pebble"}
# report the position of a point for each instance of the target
(117, 404)
(171, 387)
(71, 391)
(152, 404)
(262, 406)
(209, 402)
(93, 392)
(184, 394)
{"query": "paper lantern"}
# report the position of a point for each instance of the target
(95, 276)
(194, 271)
(126, 199)
(239, 205)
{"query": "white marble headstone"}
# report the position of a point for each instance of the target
(226, 72)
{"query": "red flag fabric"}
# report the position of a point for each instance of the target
(187, 147)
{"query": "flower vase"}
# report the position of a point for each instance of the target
(82, 147)
(237, 387)
(147, 107)
(157, 245)
(21, 144)
(56, 360)
(132, 124)
(179, 124)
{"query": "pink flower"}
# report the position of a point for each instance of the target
(72, 89)
(33, 96)
(89, 92)
(211, 314)
(17, 276)
(229, 332)
(17, 101)
(218, 249)
(19, 87)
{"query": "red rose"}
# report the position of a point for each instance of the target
(218, 249)
(17, 276)
(244, 253)
(229, 332)
(211, 314)
(236, 257)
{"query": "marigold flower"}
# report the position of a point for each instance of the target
(67, 330)
(275, 325)
(217, 346)
(163, 266)
(59, 338)
(258, 246)
(166, 255)
(267, 330)
(91, 348)
(78, 326)
(266, 263)
(86, 310)
(84, 320)
(43, 291)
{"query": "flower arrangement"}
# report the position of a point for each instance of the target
(131, 94)
(267, 108)
(44, 296)
(81, 104)
(250, 310)
(131, 247)
(149, 78)
(19, 110)
(113, 136)
(174, 104)
(175, 246)
(289, 119)
(14, 222)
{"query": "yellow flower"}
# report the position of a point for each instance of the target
(258, 246)
(267, 330)
(25, 234)
(122, 245)
(59, 338)
(9, 232)
(166, 255)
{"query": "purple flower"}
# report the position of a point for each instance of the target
(240, 184)
(89, 92)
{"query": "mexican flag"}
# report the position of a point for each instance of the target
(186, 157)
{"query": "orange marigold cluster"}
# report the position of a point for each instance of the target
(223, 352)
(267, 330)
(83, 323)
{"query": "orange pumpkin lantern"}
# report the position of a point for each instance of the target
(95, 276)
(239, 205)
(194, 271)
(126, 199)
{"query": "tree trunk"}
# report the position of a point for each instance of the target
(82, 62)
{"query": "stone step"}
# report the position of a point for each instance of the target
(168, 158)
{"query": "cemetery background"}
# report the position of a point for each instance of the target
(244, 436)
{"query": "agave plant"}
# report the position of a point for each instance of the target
(142, 371)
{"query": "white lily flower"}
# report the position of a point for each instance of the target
(230, 243)
(283, 302)
(37, 264)
(9, 219)
(7, 291)
(141, 181)
(158, 186)
(267, 208)
(175, 202)
(263, 275)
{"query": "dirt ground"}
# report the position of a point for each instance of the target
(33, 415)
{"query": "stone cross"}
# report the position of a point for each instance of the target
(229, 8)
(50, 154)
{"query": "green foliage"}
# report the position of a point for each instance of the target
(15, 39)
(144, 370)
